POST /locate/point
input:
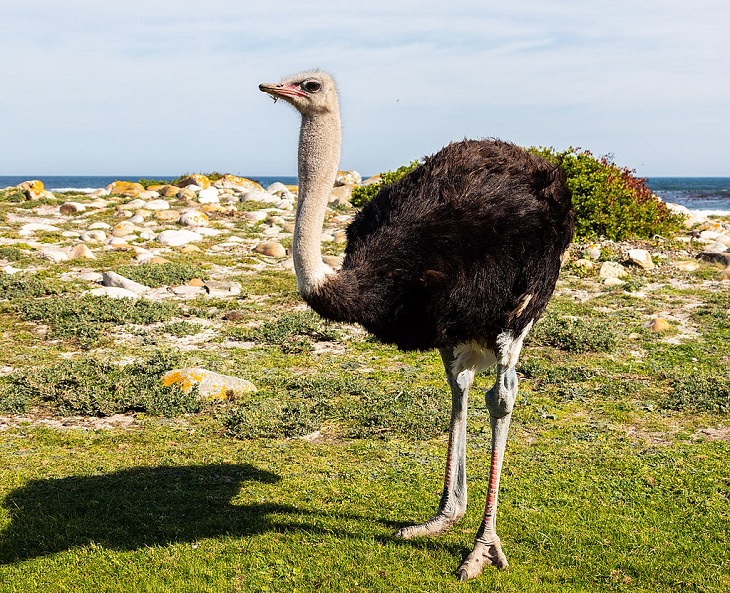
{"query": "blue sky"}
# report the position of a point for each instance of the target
(170, 86)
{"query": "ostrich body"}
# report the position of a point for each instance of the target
(462, 254)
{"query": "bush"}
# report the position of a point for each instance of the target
(608, 200)
(361, 195)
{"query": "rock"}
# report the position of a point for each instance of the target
(593, 251)
(715, 247)
(158, 204)
(270, 249)
(613, 282)
(641, 258)
(81, 251)
(167, 215)
(93, 236)
(210, 385)
(725, 274)
(611, 270)
(256, 215)
(686, 266)
(348, 178)
(32, 189)
(91, 277)
(186, 194)
(116, 280)
(209, 196)
(114, 292)
(169, 191)
(341, 195)
(193, 218)
(333, 261)
(99, 226)
(33, 227)
(262, 196)
(124, 229)
(71, 208)
(176, 238)
(196, 179)
(54, 254)
(125, 188)
(240, 184)
(221, 289)
(187, 292)
(149, 194)
(583, 263)
(276, 188)
(658, 325)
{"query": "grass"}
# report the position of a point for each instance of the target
(616, 476)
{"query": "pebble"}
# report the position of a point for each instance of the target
(167, 215)
(177, 238)
(222, 289)
(611, 270)
(270, 249)
(54, 254)
(641, 258)
(658, 325)
(257, 215)
(81, 251)
(157, 205)
(209, 196)
(97, 236)
(71, 208)
(122, 229)
(194, 218)
(33, 227)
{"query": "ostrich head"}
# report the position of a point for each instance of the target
(309, 92)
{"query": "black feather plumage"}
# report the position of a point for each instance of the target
(462, 248)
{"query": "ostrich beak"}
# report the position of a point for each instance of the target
(281, 90)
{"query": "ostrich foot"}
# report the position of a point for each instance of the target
(482, 555)
(439, 524)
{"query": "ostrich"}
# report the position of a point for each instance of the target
(462, 254)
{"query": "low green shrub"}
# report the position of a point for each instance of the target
(165, 274)
(94, 386)
(293, 332)
(348, 404)
(573, 334)
(87, 318)
(699, 393)
(23, 286)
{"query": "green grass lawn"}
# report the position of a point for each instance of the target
(617, 475)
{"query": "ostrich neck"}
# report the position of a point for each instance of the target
(319, 157)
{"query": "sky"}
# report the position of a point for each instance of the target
(166, 87)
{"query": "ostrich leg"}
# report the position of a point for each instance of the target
(500, 400)
(453, 499)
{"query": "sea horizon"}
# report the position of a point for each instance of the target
(710, 195)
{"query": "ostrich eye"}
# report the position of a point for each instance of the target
(311, 86)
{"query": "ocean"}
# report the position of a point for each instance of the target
(705, 194)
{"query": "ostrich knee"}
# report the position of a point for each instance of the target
(500, 399)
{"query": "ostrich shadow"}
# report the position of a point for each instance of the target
(152, 506)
